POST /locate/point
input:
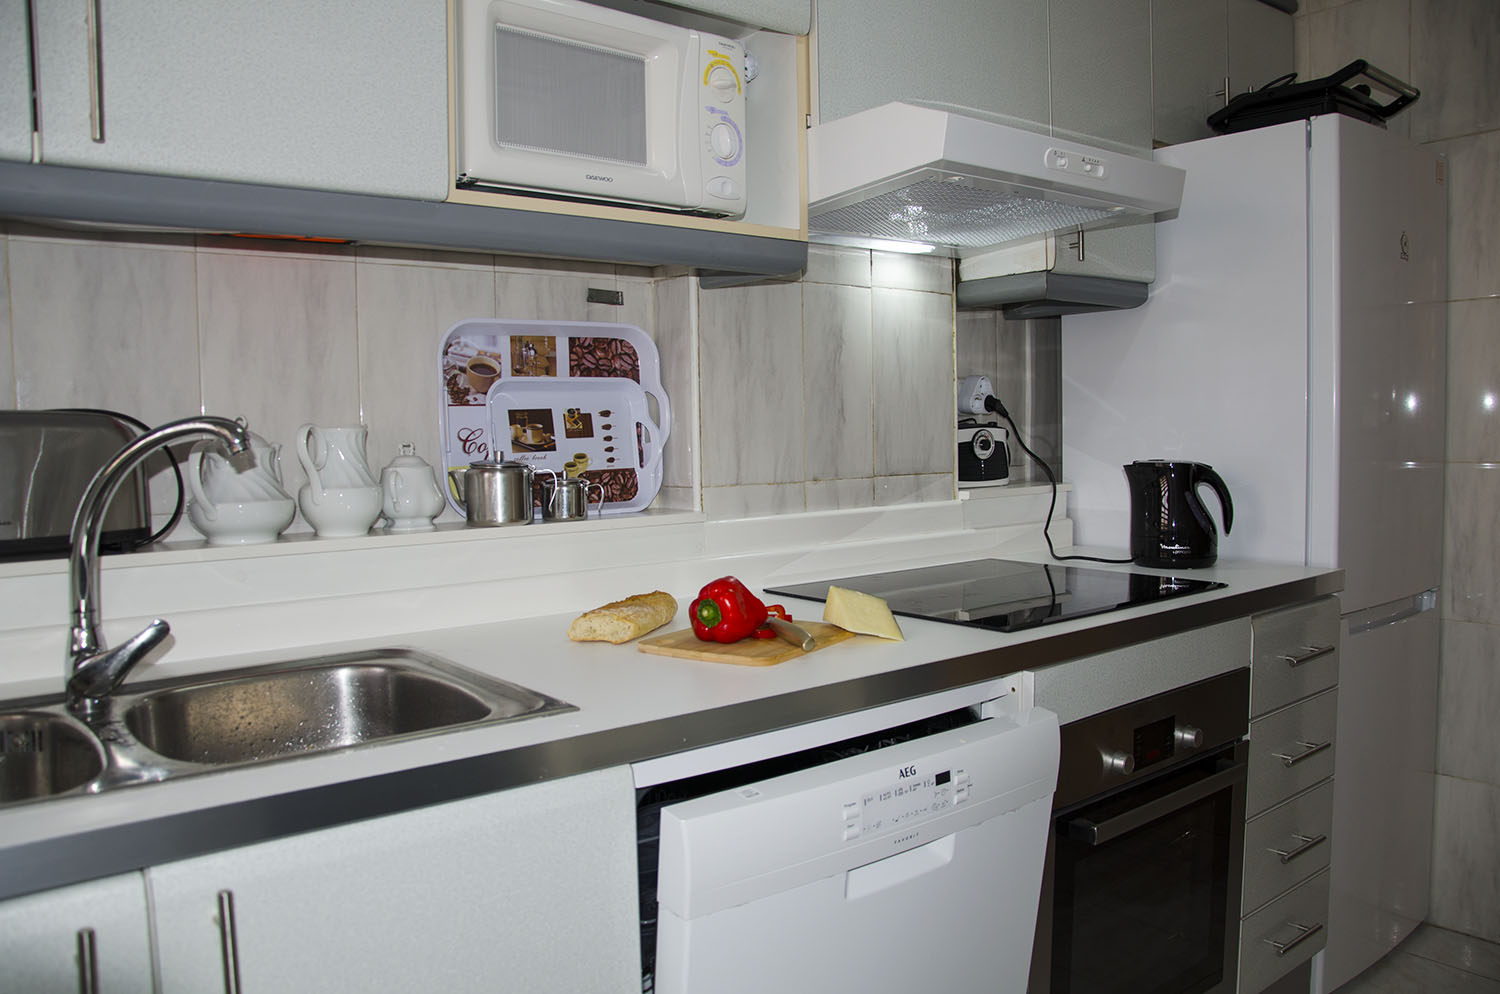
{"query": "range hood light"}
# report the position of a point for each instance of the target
(879, 244)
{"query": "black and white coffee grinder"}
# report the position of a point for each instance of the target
(983, 444)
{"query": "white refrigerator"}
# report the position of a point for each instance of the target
(1295, 340)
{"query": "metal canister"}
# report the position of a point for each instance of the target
(495, 493)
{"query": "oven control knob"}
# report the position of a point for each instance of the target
(1189, 737)
(1117, 762)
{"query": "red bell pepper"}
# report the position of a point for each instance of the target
(726, 611)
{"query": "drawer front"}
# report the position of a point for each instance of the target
(1283, 935)
(1295, 653)
(1286, 844)
(1290, 750)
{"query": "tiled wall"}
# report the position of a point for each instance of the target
(1450, 50)
(834, 391)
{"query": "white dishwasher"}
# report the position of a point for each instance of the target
(898, 859)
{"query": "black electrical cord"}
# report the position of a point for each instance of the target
(176, 473)
(992, 403)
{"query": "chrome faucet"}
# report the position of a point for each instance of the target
(93, 670)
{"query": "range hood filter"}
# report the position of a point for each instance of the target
(954, 212)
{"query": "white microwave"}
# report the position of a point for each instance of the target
(569, 99)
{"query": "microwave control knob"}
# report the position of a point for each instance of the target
(1188, 737)
(1117, 762)
(722, 79)
(724, 142)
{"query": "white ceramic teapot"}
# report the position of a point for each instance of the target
(238, 501)
(411, 495)
(340, 499)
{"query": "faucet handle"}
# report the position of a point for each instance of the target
(97, 675)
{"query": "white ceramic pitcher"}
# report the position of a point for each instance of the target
(340, 499)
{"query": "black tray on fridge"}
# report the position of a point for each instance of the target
(1350, 91)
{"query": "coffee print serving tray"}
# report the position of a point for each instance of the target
(564, 370)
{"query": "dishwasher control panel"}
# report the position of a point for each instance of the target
(910, 797)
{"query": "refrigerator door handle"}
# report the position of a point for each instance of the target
(1392, 613)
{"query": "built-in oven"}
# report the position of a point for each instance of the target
(1140, 893)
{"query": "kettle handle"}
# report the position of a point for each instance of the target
(456, 490)
(1205, 474)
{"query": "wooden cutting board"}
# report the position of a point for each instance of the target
(746, 652)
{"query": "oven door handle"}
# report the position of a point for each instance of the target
(1098, 833)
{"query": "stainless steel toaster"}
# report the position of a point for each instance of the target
(47, 459)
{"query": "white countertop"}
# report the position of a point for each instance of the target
(633, 705)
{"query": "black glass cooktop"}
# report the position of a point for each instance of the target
(1004, 594)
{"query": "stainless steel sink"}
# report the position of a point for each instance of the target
(329, 703)
(171, 728)
(43, 754)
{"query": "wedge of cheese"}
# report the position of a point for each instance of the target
(861, 613)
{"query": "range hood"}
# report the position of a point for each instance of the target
(911, 173)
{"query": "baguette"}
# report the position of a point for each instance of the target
(621, 621)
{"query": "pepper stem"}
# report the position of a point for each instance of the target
(708, 612)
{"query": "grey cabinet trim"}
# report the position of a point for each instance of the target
(97, 196)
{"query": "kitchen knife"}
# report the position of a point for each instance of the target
(795, 634)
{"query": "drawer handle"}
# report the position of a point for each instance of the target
(88, 962)
(1308, 842)
(229, 945)
(1304, 932)
(96, 71)
(1309, 749)
(1306, 654)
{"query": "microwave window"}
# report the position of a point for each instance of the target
(559, 96)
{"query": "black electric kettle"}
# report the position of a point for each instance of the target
(1169, 526)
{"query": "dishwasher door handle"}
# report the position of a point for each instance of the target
(1100, 832)
(872, 878)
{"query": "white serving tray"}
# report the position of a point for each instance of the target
(544, 352)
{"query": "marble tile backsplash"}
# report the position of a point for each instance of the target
(835, 391)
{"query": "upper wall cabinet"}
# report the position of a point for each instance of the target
(990, 55)
(1101, 72)
(313, 94)
(1206, 51)
(15, 81)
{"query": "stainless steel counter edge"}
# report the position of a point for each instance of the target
(95, 853)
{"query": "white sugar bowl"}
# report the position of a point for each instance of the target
(411, 495)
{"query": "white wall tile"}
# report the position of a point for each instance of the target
(675, 333)
(838, 265)
(1465, 886)
(915, 489)
(1471, 536)
(279, 343)
(1473, 214)
(753, 501)
(530, 296)
(7, 368)
(839, 495)
(750, 364)
(403, 311)
(838, 382)
(1468, 701)
(900, 271)
(914, 399)
(1474, 381)
(1455, 46)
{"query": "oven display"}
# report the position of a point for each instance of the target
(1154, 742)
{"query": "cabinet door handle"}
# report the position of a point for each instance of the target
(1304, 932)
(229, 943)
(96, 72)
(1305, 655)
(88, 962)
(1308, 842)
(1309, 749)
